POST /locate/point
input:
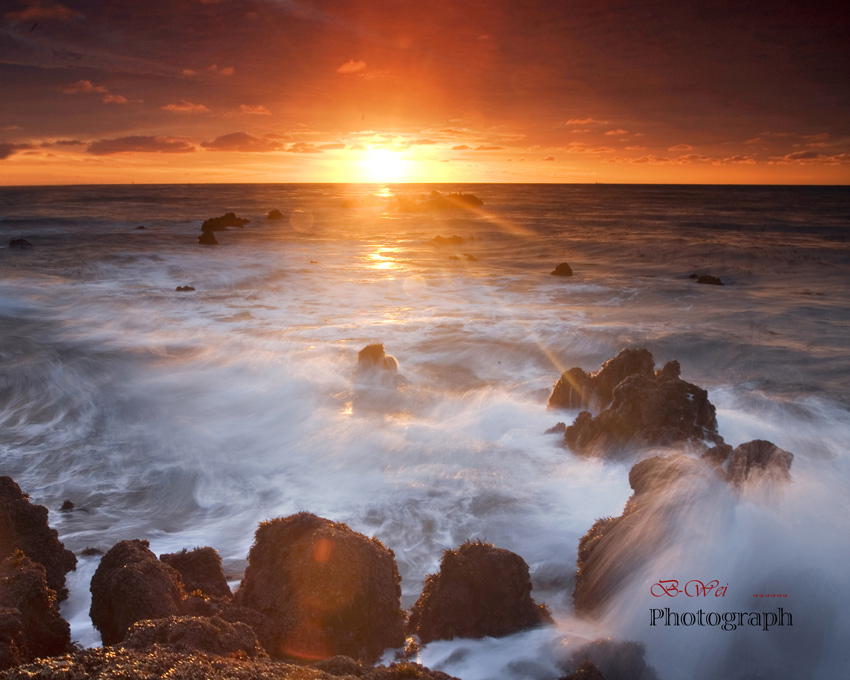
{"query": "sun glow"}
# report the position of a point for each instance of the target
(383, 165)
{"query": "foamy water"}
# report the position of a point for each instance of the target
(187, 418)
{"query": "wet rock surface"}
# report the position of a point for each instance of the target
(200, 570)
(189, 634)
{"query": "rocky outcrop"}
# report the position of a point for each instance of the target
(327, 589)
(755, 460)
(24, 527)
(562, 269)
(373, 358)
(200, 570)
(448, 240)
(30, 623)
(275, 215)
(20, 244)
(207, 238)
(190, 634)
(130, 585)
(223, 222)
(577, 389)
(707, 279)
(610, 660)
(655, 410)
(479, 591)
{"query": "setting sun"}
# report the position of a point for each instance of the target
(383, 165)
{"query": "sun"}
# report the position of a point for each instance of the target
(383, 165)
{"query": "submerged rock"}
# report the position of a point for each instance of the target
(30, 623)
(199, 569)
(24, 527)
(448, 241)
(20, 244)
(709, 280)
(562, 269)
(479, 591)
(275, 215)
(223, 222)
(194, 634)
(130, 585)
(184, 289)
(327, 590)
(374, 358)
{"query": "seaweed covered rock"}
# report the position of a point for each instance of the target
(131, 584)
(23, 526)
(374, 358)
(655, 410)
(194, 634)
(30, 623)
(757, 459)
(479, 591)
(405, 670)
(199, 569)
(328, 590)
(223, 222)
(577, 389)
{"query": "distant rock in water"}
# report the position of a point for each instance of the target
(20, 244)
(470, 258)
(199, 569)
(207, 238)
(755, 460)
(562, 269)
(374, 358)
(707, 279)
(557, 428)
(184, 289)
(454, 200)
(327, 590)
(223, 222)
(275, 215)
(479, 591)
(577, 389)
(658, 409)
(130, 585)
(450, 241)
(141, 227)
(24, 527)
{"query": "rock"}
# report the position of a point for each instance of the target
(656, 410)
(30, 623)
(207, 238)
(374, 358)
(194, 634)
(453, 200)
(577, 389)
(405, 670)
(450, 241)
(562, 269)
(340, 665)
(130, 585)
(327, 589)
(479, 591)
(612, 660)
(141, 227)
(184, 289)
(67, 506)
(557, 428)
(275, 215)
(709, 280)
(586, 671)
(758, 459)
(90, 552)
(23, 526)
(223, 222)
(470, 258)
(20, 244)
(199, 569)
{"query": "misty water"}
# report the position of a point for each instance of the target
(186, 418)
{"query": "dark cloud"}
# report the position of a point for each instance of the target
(7, 149)
(304, 147)
(242, 142)
(139, 144)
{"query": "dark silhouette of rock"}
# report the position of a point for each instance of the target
(184, 289)
(611, 660)
(89, 552)
(757, 459)
(67, 506)
(130, 585)
(199, 569)
(223, 222)
(374, 358)
(30, 623)
(655, 410)
(194, 634)
(557, 428)
(479, 591)
(453, 200)
(141, 227)
(562, 269)
(448, 241)
(709, 280)
(23, 526)
(264, 627)
(327, 589)
(577, 389)
(275, 215)
(586, 671)
(207, 238)
(340, 665)
(470, 258)
(404, 671)
(20, 244)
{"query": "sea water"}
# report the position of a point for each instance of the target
(186, 418)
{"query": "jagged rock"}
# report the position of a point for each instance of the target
(30, 623)
(194, 634)
(709, 280)
(751, 460)
(23, 526)
(130, 585)
(207, 238)
(586, 671)
(656, 410)
(327, 589)
(275, 215)
(611, 660)
(20, 244)
(557, 428)
(577, 389)
(404, 671)
(562, 269)
(479, 591)
(223, 222)
(373, 357)
(199, 569)
(340, 665)
(184, 289)
(448, 241)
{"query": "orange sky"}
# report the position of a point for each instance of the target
(397, 90)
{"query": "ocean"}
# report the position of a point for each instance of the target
(186, 418)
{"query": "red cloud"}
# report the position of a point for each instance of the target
(241, 141)
(352, 67)
(184, 106)
(139, 144)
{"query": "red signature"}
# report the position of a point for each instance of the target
(692, 588)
